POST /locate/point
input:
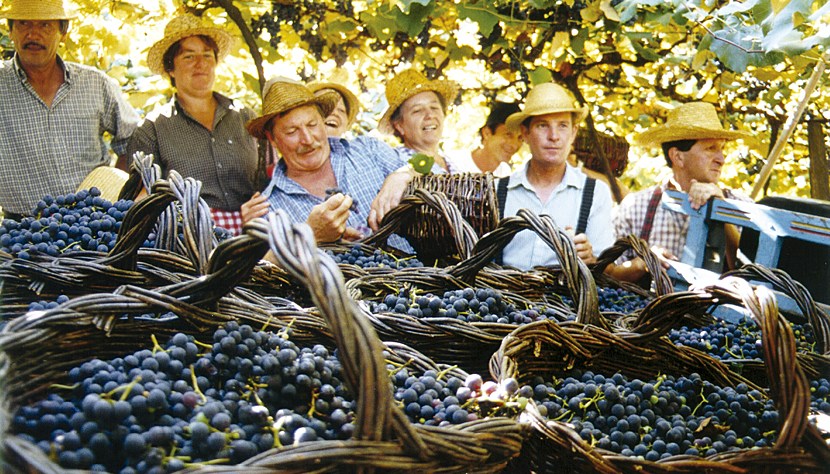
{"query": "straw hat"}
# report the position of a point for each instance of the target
(407, 84)
(181, 27)
(691, 121)
(547, 98)
(283, 94)
(108, 179)
(351, 101)
(36, 10)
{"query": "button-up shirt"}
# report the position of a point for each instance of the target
(224, 159)
(527, 250)
(49, 149)
(360, 167)
(406, 153)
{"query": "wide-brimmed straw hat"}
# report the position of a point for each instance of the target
(690, 121)
(36, 10)
(407, 84)
(181, 27)
(108, 180)
(283, 94)
(547, 98)
(351, 101)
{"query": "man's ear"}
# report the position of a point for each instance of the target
(397, 127)
(269, 136)
(676, 157)
(486, 133)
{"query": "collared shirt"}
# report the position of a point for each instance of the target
(466, 164)
(360, 167)
(527, 250)
(51, 149)
(406, 153)
(223, 159)
(668, 229)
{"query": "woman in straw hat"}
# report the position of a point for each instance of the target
(311, 164)
(416, 112)
(200, 133)
(547, 184)
(53, 113)
(341, 118)
(692, 139)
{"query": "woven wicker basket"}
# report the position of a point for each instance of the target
(613, 147)
(473, 193)
(36, 353)
(545, 349)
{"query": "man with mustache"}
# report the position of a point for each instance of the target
(311, 164)
(53, 113)
(548, 185)
(692, 140)
(201, 133)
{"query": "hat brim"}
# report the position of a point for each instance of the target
(326, 102)
(352, 103)
(107, 179)
(656, 136)
(514, 121)
(446, 89)
(155, 57)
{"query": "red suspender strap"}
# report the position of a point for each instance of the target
(648, 223)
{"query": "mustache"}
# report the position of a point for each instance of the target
(308, 149)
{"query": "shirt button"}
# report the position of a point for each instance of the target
(230, 142)
(219, 165)
(213, 139)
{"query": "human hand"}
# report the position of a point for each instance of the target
(664, 256)
(583, 247)
(699, 193)
(389, 196)
(328, 219)
(255, 207)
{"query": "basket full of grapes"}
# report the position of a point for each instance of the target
(211, 389)
(633, 402)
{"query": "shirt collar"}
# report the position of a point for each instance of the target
(570, 179)
(21, 73)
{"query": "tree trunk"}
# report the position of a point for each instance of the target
(819, 185)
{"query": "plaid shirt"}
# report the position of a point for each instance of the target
(669, 228)
(50, 149)
(223, 159)
(360, 167)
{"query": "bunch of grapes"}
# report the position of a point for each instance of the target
(820, 395)
(725, 340)
(468, 304)
(377, 259)
(190, 403)
(76, 221)
(659, 418)
(616, 300)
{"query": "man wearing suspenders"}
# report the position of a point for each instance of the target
(692, 140)
(546, 184)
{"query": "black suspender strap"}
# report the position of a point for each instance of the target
(648, 222)
(501, 195)
(585, 207)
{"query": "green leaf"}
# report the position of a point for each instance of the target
(344, 25)
(381, 24)
(422, 163)
(407, 4)
(486, 19)
(413, 22)
(578, 41)
(644, 52)
(540, 75)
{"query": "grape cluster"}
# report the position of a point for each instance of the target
(82, 221)
(820, 395)
(43, 305)
(169, 408)
(616, 300)
(740, 340)
(659, 418)
(468, 304)
(376, 259)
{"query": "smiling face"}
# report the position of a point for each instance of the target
(300, 137)
(337, 123)
(421, 121)
(36, 41)
(501, 143)
(550, 137)
(703, 162)
(194, 67)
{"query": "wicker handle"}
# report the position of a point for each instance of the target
(662, 282)
(449, 216)
(781, 281)
(578, 278)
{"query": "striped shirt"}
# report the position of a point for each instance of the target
(50, 149)
(223, 159)
(527, 250)
(360, 167)
(668, 229)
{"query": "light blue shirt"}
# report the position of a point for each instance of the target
(527, 250)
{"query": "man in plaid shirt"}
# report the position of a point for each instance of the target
(53, 113)
(692, 140)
